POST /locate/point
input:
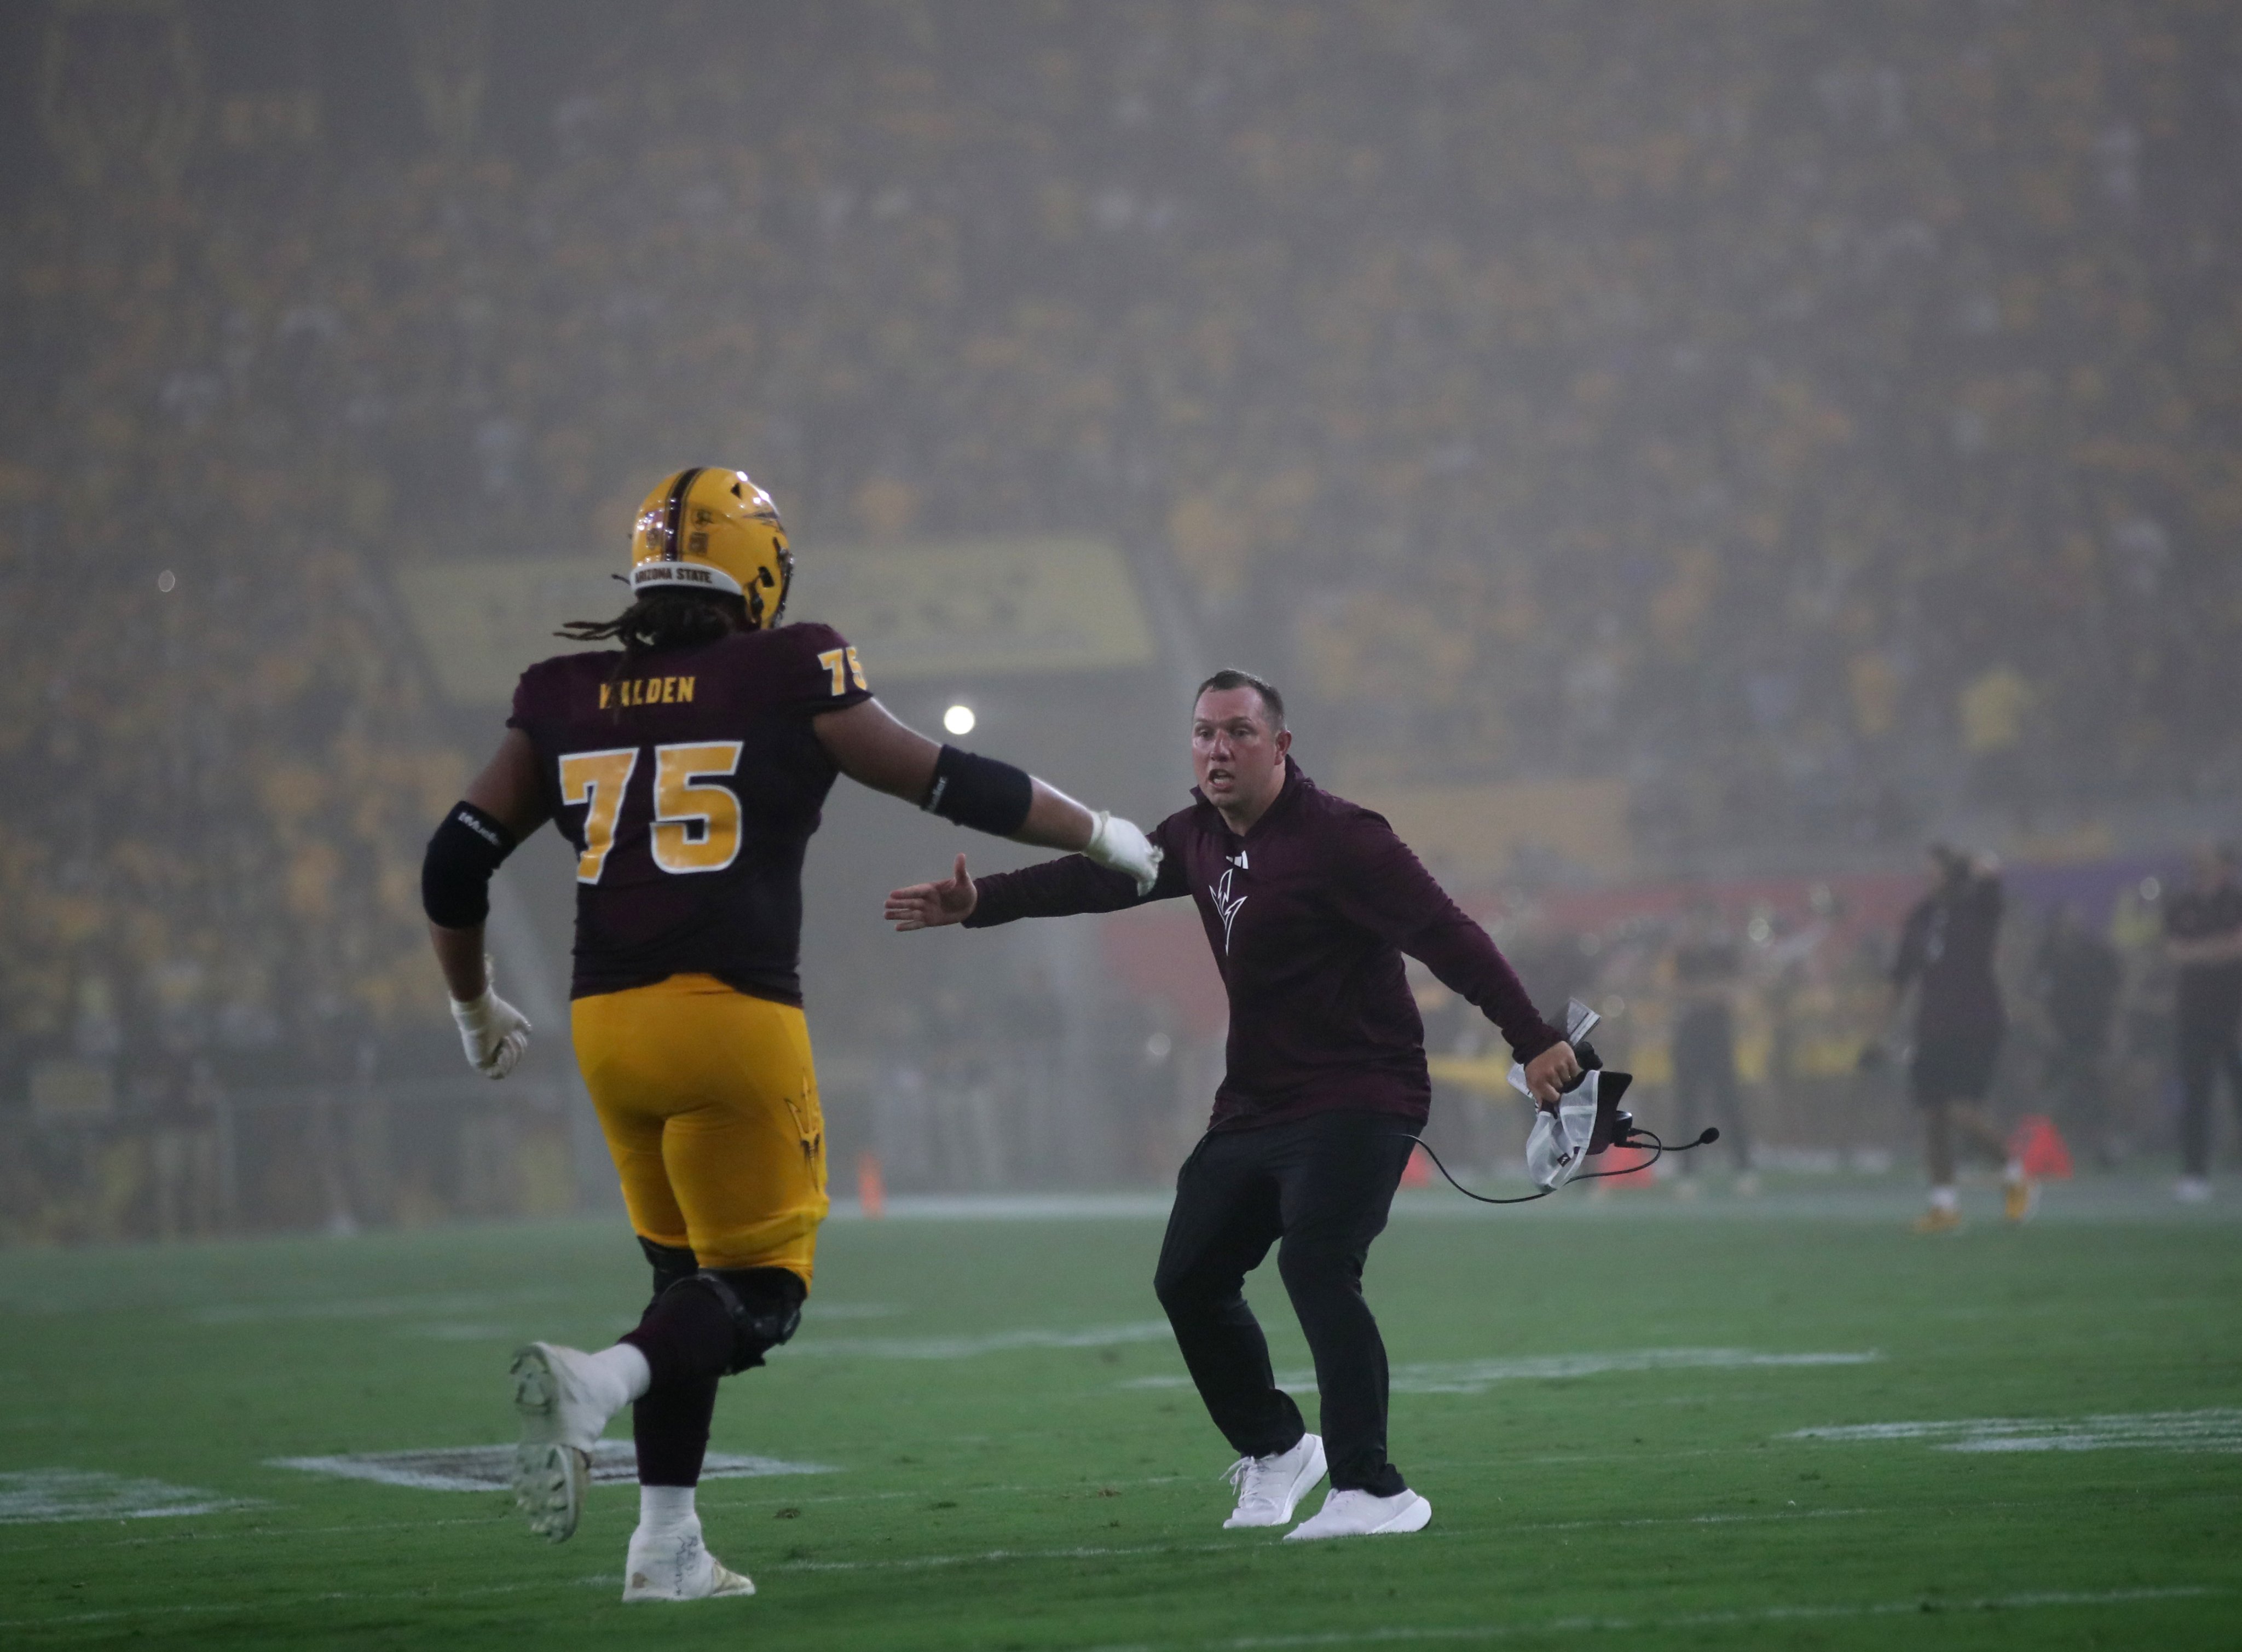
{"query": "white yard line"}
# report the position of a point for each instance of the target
(1248, 1544)
(122, 1612)
(2213, 1429)
(491, 1467)
(1476, 1376)
(41, 1496)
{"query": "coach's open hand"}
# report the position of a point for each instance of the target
(929, 906)
(1546, 1075)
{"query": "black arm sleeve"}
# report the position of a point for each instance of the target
(456, 874)
(980, 792)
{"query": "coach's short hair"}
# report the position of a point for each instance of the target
(1231, 677)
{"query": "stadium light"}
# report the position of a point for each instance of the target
(958, 720)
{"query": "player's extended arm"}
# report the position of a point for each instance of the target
(503, 805)
(872, 748)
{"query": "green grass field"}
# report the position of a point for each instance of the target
(1598, 1398)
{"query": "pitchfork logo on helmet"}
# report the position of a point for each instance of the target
(711, 529)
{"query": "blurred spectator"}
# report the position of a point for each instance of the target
(2078, 977)
(1706, 965)
(2203, 934)
(1947, 949)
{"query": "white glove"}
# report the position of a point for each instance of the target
(1120, 845)
(493, 1032)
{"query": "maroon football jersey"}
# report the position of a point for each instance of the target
(689, 781)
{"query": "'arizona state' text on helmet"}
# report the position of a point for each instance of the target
(711, 529)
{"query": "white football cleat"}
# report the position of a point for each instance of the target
(1269, 1488)
(564, 1402)
(1357, 1514)
(674, 1564)
(2191, 1189)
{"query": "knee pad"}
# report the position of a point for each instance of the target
(764, 1305)
(671, 1263)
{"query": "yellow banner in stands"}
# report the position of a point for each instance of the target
(1472, 837)
(955, 609)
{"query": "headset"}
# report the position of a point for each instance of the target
(1614, 1127)
(1628, 1134)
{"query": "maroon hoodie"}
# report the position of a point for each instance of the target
(1308, 914)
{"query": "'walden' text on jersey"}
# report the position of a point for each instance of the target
(646, 691)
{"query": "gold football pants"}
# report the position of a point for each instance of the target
(709, 1100)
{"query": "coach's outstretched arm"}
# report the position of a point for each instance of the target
(873, 748)
(502, 806)
(1052, 889)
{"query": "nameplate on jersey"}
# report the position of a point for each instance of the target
(646, 691)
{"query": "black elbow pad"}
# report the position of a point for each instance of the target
(980, 792)
(456, 874)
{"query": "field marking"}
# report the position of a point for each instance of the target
(2214, 1429)
(1096, 1336)
(491, 1467)
(1250, 1543)
(371, 1307)
(1921, 1606)
(184, 1607)
(1476, 1376)
(42, 1496)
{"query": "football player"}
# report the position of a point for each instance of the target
(687, 769)
(1947, 949)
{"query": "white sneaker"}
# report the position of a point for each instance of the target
(1357, 1514)
(564, 1402)
(674, 1564)
(1269, 1488)
(2191, 1189)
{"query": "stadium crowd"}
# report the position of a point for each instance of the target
(1834, 429)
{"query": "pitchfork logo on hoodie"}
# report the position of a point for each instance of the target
(1224, 903)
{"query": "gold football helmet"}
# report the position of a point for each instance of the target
(711, 529)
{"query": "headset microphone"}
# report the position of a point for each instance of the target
(1587, 1121)
(1620, 1130)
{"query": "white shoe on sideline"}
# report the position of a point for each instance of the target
(2191, 1189)
(1357, 1514)
(564, 1402)
(674, 1564)
(1269, 1488)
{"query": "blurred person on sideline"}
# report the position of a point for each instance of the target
(2203, 936)
(1945, 955)
(1309, 904)
(2078, 975)
(689, 769)
(1707, 969)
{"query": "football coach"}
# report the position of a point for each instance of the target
(1309, 902)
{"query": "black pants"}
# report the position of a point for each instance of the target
(1322, 1186)
(2206, 1048)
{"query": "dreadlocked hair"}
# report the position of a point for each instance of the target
(664, 618)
